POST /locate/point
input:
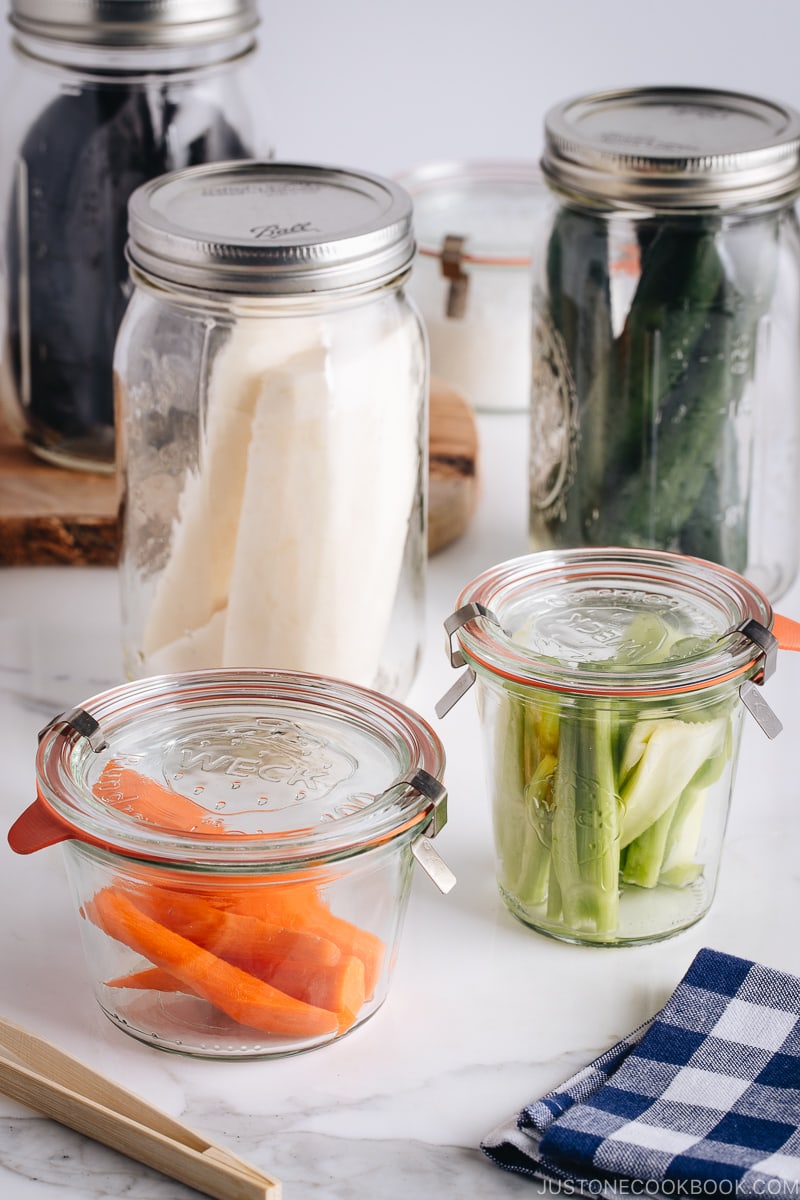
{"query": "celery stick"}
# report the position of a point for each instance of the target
(509, 785)
(585, 843)
(645, 855)
(523, 768)
(534, 863)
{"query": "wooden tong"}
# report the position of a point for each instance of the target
(52, 1082)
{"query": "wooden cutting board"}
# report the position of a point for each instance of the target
(52, 515)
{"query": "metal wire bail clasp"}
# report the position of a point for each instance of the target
(465, 681)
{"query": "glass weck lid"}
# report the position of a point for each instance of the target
(239, 770)
(615, 622)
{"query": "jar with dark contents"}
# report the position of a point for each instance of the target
(665, 362)
(102, 97)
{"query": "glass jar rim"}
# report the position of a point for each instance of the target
(66, 758)
(509, 593)
(481, 202)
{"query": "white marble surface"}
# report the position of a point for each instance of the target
(482, 1016)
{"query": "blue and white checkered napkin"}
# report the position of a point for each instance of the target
(708, 1090)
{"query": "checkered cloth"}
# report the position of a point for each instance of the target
(709, 1090)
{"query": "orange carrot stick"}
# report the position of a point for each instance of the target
(339, 988)
(129, 791)
(151, 979)
(299, 907)
(246, 941)
(245, 999)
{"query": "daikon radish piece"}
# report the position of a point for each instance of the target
(194, 584)
(331, 478)
(196, 650)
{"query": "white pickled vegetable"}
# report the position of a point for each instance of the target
(290, 539)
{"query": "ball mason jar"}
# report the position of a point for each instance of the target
(103, 95)
(666, 361)
(475, 226)
(240, 847)
(612, 686)
(272, 389)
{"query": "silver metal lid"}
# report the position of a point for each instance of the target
(254, 228)
(673, 147)
(134, 22)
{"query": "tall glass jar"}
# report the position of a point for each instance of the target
(104, 95)
(665, 400)
(272, 388)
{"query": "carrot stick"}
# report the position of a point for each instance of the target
(129, 791)
(151, 979)
(245, 999)
(249, 942)
(298, 906)
(339, 988)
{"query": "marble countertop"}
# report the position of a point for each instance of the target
(482, 1016)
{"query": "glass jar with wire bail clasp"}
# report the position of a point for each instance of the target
(611, 685)
(101, 96)
(665, 407)
(272, 387)
(240, 846)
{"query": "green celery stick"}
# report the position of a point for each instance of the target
(645, 855)
(523, 767)
(585, 834)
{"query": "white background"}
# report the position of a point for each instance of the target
(382, 86)
(386, 86)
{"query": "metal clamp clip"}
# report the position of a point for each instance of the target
(766, 642)
(83, 723)
(425, 784)
(453, 270)
(751, 695)
(467, 612)
(432, 863)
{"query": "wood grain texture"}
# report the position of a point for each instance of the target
(51, 515)
(453, 474)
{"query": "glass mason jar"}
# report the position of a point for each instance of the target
(240, 847)
(609, 685)
(475, 225)
(104, 95)
(272, 389)
(665, 394)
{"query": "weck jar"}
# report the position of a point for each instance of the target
(666, 360)
(611, 686)
(476, 224)
(102, 96)
(240, 847)
(272, 388)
